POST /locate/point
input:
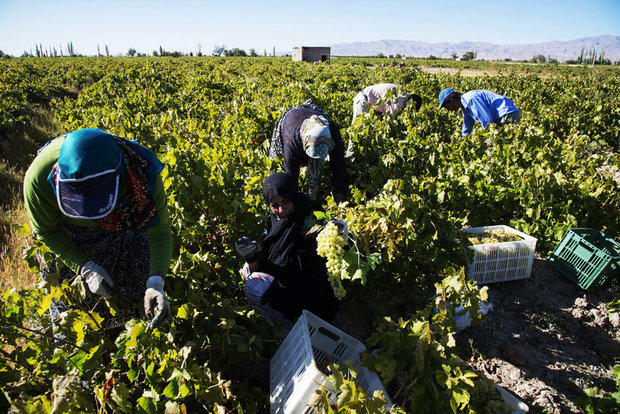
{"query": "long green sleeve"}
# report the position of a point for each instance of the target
(160, 237)
(43, 211)
(45, 216)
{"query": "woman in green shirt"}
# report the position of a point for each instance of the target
(97, 202)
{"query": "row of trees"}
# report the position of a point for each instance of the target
(542, 59)
(585, 58)
(51, 51)
(454, 56)
(590, 57)
(220, 50)
(69, 51)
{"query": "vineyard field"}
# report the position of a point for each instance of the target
(414, 183)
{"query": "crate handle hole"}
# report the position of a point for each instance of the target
(331, 335)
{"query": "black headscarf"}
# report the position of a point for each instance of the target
(284, 233)
(300, 274)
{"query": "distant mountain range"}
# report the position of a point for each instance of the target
(562, 51)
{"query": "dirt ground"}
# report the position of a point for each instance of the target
(546, 340)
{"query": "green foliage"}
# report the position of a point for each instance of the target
(414, 183)
(614, 306)
(597, 402)
(83, 366)
(469, 55)
(26, 83)
(417, 356)
(351, 397)
(417, 359)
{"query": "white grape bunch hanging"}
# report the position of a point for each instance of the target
(330, 245)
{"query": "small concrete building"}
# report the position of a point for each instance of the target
(311, 54)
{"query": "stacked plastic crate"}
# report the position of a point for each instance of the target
(503, 261)
(587, 257)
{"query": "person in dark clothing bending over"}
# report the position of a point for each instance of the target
(304, 135)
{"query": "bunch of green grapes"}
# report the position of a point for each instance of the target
(485, 398)
(494, 236)
(330, 245)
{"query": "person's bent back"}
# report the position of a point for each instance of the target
(480, 105)
(371, 95)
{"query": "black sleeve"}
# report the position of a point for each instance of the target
(291, 300)
(336, 161)
(292, 149)
(291, 165)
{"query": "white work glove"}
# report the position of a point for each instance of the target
(98, 280)
(156, 305)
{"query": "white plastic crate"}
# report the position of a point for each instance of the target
(500, 262)
(294, 375)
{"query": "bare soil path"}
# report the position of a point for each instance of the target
(546, 340)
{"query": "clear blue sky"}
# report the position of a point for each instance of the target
(181, 25)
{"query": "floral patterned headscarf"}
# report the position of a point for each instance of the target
(316, 137)
(317, 140)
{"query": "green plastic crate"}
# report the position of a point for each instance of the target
(587, 257)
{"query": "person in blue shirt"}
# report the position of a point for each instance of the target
(480, 105)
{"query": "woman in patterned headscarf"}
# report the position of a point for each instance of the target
(97, 202)
(305, 135)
